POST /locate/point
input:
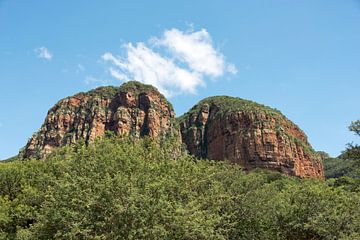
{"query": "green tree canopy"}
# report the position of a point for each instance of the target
(119, 188)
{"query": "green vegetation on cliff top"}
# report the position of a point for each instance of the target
(131, 86)
(233, 104)
(138, 87)
(103, 92)
(110, 91)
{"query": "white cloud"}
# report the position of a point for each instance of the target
(147, 66)
(118, 75)
(44, 53)
(194, 48)
(92, 80)
(178, 62)
(231, 68)
(80, 68)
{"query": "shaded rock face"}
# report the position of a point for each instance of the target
(249, 134)
(133, 109)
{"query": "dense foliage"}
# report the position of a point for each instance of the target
(348, 163)
(338, 167)
(135, 189)
(345, 169)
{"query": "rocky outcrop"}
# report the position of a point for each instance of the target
(249, 134)
(133, 109)
(218, 128)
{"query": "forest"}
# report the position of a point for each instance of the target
(124, 188)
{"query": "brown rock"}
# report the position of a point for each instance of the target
(249, 134)
(132, 109)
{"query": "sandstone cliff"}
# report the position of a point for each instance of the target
(132, 109)
(218, 128)
(249, 134)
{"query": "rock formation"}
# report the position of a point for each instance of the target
(133, 109)
(218, 128)
(249, 134)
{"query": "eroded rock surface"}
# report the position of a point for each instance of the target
(249, 134)
(132, 109)
(218, 128)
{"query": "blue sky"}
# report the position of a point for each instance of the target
(301, 57)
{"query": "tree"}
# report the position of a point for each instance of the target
(323, 155)
(119, 188)
(355, 127)
(353, 150)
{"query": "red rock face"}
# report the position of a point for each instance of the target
(133, 109)
(250, 138)
(218, 128)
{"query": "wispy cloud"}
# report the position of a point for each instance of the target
(43, 53)
(95, 81)
(80, 68)
(177, 62)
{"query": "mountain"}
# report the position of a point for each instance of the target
(249, 134)
(133, 109)
(217, 128)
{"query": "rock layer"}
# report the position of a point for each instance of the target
(249, 134)
(133, 109)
